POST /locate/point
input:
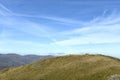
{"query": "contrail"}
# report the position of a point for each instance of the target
(4, 10)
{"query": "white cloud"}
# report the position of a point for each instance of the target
(90, 39)
(101, 30)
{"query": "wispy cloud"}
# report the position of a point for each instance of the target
(4, 10)
(52, 18)
(97, 31)
(20, 22)
(25, 26)
(9, 20)
(7, 12)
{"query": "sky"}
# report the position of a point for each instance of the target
(58, 27)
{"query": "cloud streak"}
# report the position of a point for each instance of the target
(25, 26)
(9, 20)
(20, 22)
(4, 10)
(52, 18)
(97, 31)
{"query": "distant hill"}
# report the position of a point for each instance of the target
(10, 60)
(73, 67)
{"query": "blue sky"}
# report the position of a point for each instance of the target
(60, 27)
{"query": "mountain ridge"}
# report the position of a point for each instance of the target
(11, 60)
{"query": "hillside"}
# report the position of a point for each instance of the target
(72, 67)
(10, 60)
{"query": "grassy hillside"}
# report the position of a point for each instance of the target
(72, 67)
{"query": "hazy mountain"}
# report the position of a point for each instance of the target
(8, 60)
(73, 67)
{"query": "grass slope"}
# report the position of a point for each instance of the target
(72, 67)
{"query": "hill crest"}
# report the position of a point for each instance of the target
(70, 67)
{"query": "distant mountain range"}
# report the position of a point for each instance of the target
(11, 60)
